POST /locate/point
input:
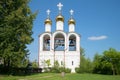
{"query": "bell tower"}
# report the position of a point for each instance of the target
(58, 45)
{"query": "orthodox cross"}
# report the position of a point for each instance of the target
(60, 7)
(71, 12)
(48, 13)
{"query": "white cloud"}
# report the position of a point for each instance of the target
(97, 37)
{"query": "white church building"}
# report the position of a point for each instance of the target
(60, 46)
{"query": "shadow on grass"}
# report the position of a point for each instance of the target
(19, 71)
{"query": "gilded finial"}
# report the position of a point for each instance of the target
(48, 17)
(71, 21)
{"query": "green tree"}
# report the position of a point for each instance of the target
(85, 63)
(82, 51)
(48, 62)
(113, 57)
(96, 63)
(85, 66)
(35, 64)
(16, 22)
(55, 68)
(107, 63)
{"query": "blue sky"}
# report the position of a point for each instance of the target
(97, 21)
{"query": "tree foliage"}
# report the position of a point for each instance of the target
(16, 21)
(48, 62)
(82, 51)
(100, 65)
(113, 57)
(35, 64)
(108, 63)
(85, 63)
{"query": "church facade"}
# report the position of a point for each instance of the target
(60, 46)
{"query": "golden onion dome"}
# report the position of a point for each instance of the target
(48, 21)
(59, 18)
(71, 21)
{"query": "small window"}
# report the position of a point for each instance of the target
(72, 63)
(61, 63)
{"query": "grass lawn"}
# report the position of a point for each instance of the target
(53, 76)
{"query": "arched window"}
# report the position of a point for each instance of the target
(59, 42)
(46, 43)
(72, 43)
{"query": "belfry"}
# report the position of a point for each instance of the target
(60, 46)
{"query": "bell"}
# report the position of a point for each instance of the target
(59, 42)
(47, 41)
(62, 44)
(71, 42)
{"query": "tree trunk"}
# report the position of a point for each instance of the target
(4, 62)
(6, 67)
(113, 69)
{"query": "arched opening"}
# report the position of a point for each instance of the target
(59, 42)
(72, 43)
(46, 43)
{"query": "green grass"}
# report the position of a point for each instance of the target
(53, 76)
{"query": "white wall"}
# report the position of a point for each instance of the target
(59, 55)
(59, 25)
(67, 56)
(71, 28)
(47, 28)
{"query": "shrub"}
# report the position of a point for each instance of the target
(46, 70)
(77, 70)
(60, 69)
(55, 70)
(67, 70)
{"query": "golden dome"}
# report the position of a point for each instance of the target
(71, 21)
(60, 18)
(48, 21)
